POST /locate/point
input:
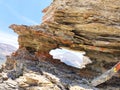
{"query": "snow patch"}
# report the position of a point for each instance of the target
(71, 57)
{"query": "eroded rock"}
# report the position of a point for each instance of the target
(83, 25)
(89, 26)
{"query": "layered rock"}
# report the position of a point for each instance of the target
(90, 26)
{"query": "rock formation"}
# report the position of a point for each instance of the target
(92, 26)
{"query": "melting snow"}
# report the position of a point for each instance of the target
(71, 57)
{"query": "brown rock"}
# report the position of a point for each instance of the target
(34, 79)
(91, 26)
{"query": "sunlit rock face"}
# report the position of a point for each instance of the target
(90, 26)
(87, 33)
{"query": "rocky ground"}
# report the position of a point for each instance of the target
(92, 26)
(22, 73)
(39, 75)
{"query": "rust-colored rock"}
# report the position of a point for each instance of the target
(92, 26)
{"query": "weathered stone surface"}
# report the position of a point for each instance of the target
(35, 79)
(91, 26)
(9, 85)
(42, 74)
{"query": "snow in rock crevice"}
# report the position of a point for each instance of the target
(71, 57)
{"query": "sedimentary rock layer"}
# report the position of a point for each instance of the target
(92, 26)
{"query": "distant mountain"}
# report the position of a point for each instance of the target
(5, 49)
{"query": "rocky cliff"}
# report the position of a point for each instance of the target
(92, 26)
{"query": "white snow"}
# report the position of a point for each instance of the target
(71, 57)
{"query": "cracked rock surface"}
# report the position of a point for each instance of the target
(92, 26)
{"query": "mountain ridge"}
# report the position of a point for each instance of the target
(5, 49)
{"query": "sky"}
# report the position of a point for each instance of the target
(27, 12)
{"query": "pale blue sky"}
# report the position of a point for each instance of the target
(26, 12)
